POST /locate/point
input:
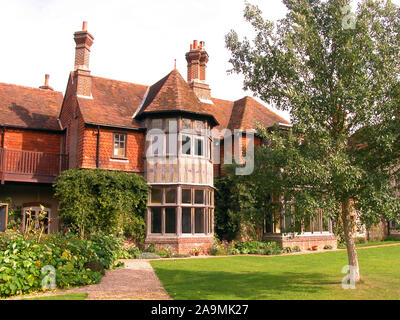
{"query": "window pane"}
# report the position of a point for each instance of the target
(186, 124)
(186, 196)
(155, 220)
(325, 223)
(119, 144)
(156, 145)
(172, 125)
(170, 195)
(186, 144)
(156, 124)
(307, 225)
(156, 195)
(210, 224)
(198, 125)
(186, 220)
(172, 144)
(199, 220)
(199, 196)
(316, 226)
(170, 220)
(198, 147)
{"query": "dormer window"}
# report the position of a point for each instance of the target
(119, 145)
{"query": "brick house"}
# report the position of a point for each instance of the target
(104, 123)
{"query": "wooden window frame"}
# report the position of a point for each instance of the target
(114, 156)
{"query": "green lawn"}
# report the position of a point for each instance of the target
(308, 276)
(372, 243)
(70, 296)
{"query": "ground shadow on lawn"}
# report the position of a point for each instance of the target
(183, 284)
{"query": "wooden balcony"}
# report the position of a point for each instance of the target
(29, 166)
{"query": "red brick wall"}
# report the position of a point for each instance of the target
(134, 153)
(30, 140)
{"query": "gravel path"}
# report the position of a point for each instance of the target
(136, 281)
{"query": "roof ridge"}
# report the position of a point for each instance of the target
(28, 87)
(137, 84)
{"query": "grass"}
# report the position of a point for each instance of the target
(299, 277)
(70, 296)
(371, 243)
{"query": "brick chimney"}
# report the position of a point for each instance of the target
(197, 59)
(84, 41)
(46, 83)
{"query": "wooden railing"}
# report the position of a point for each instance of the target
(19, 165)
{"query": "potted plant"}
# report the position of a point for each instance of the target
(315, 248)
(196, 251)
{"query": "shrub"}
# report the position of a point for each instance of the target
(359, 240)
(77, 262)
(391, 238)
(150, 248)
(287, 250)
(328, 247)
(180, 255)
(102, 201)
(166, 252)
(258, 247)
(296, 249)
(219, 249)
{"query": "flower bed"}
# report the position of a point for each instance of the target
(25, 262)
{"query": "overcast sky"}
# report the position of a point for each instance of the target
(135, 41)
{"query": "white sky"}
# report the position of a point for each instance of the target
(135, 41)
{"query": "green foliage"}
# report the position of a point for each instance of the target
(151, 248)
(166, 252)
(296, 249)
(240, 206)
(106, 201)
(328, 247)
(342, 90)
(248, 247)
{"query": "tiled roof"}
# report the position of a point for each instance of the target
(27, 107)
(114, 103)
(173, 94)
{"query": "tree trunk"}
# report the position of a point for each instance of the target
(351, 247)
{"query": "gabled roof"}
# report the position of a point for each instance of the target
(244, 114)
(26, 107)
(173, 94)
(113, 103)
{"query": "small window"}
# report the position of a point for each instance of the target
(198, 125)
(186, 124)
(186, 145)
(155, 220)
(186, 220)
(198, 147)
(170, 220)
(170, 195)
(187, 196)
(156, 195)
(156, 124)
(199, 220)
(199, 196)
(119, 145)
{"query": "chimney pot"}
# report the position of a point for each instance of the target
(194, 44)
(46, 80)
(84, 26)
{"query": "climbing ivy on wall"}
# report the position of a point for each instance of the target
(100, 200)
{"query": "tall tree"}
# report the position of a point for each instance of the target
(337, 73)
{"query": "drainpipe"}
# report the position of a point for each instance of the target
(3, 131)
(3, 155)
(98, 148)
